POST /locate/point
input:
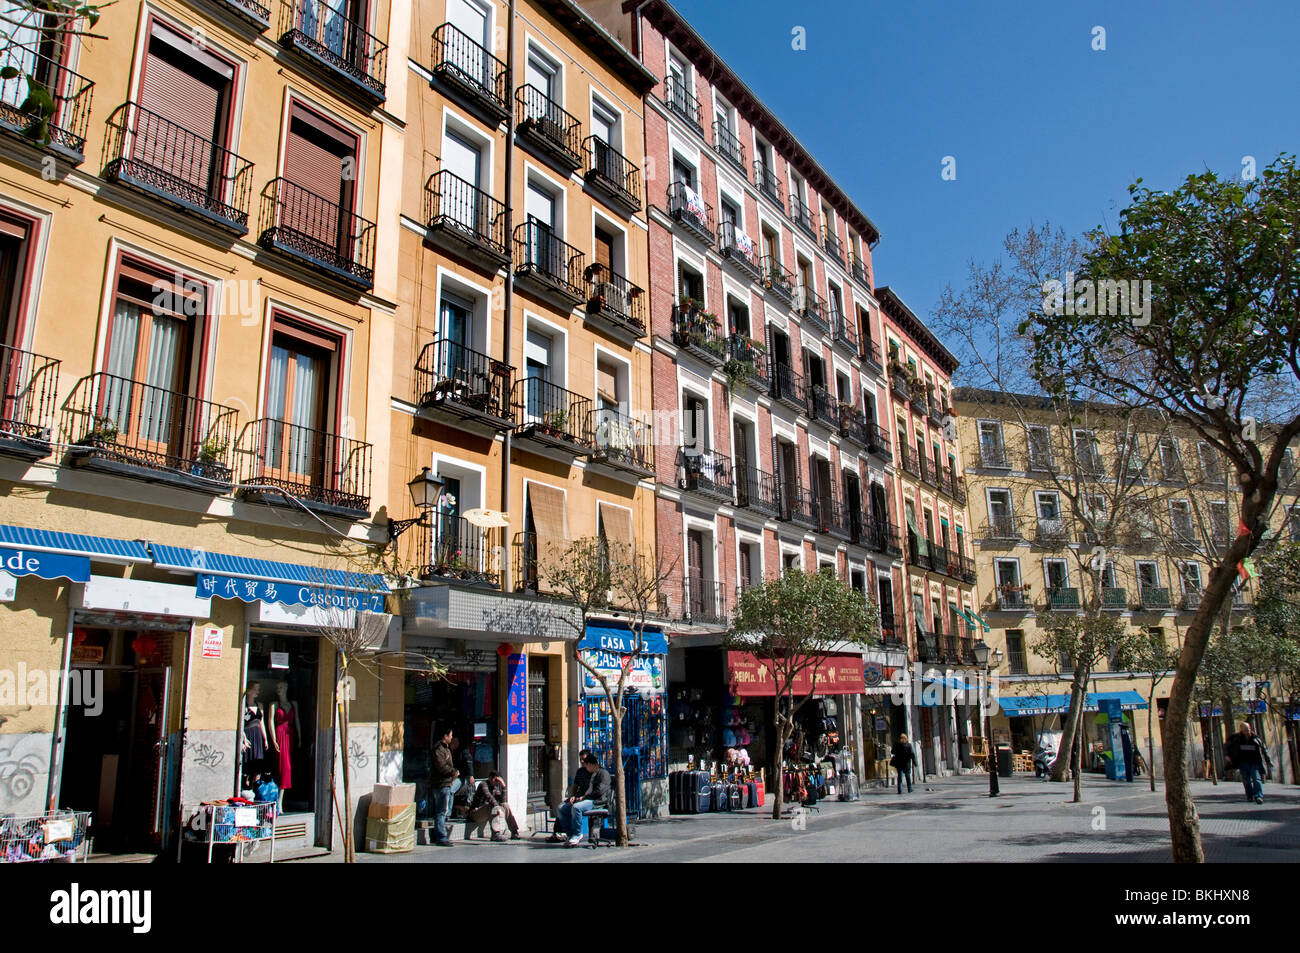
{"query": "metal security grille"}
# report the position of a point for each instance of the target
(645, 741)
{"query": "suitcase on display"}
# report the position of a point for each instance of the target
(699, 798)
(848, 786)
(735, 797)
(760, 791)
(751, 794)
(719, 794)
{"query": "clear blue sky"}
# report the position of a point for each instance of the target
(1041, 126)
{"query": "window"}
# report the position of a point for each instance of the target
(737, 317)
(1190, 574)
(1007, 573)
(543, 375)
(1016, 652)
(1148, 575)
(1056, 573)
(542, 209)
(1180, 519)
(993, 451)
(1219, 520)
(15, 244)
(1087, 452)
(1039, 441)
(543, 73)
(690, 283)
(1001, 516)
(299, 387)
(750, 565)
(695, 422)
(1171, 466)
(606, 127)
(320, 167)
(1049, 505)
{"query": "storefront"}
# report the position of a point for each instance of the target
(609, 647)
(885, 709)
(1030, 716)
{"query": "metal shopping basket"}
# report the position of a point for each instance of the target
(50, 835)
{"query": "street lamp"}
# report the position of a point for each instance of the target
(984, 655)
(426, 490)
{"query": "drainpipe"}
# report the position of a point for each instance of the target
(636, 16)
(510, 285)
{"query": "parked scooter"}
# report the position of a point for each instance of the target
(1045, 753)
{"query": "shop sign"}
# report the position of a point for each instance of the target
(835, 675)
(24, 562)
(87, 654)
(623, 641)
(645, 672)
(293, 594)
(280, 660)
(211, 641)
(517, 696)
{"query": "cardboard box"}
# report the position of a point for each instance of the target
(386, 812)
(394, 835)
(393, 794)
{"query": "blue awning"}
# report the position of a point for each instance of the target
(620, 639)
(1060, 704)
(178, 559)
(102, 548)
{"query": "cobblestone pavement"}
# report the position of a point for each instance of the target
(944, 819)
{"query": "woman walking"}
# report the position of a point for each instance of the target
(901, 758)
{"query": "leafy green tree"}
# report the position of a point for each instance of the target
(25, 21)
(791, 625)
(1217, 350)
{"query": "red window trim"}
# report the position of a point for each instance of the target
(206, 56)
(327, 126)
(27, 229)
(315, 335)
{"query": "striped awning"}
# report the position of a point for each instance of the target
(178, 559)
(102, 548)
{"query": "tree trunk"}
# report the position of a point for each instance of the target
(620, 779)
(349, 848)
(1072, 717)
(778, 788)
(1151, 738)
(1078, 760)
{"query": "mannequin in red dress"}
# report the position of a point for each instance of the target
(283, 714)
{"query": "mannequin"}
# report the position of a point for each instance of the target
(287, 734)
(252, 736)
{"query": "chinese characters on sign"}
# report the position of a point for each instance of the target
(517, 698)
(293, 594)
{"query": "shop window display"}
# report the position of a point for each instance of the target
(465, 700)
(284, 670)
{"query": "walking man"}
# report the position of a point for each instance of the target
(1245, 751)
(902, 757)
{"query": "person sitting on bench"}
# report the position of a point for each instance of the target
(589, 792)
(489, 798)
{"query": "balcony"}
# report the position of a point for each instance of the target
(951, 648)
(28, 384)
(898, 383)
(1017, 662)
(335, 46)
(702, 601)
(953, 484)
(169, 163)
(854, 426)
(611, 174)
(728, 146)
(707, 473)
(314, 232)
(452, 548)
(1090, 465)
(928, 647)
(802, 216)
(550, 417)
(284, 462)
(526, 570)
(870, 353)
(688, 208)
(1012, 600)
(879, 445)
(812, 308)
(752, 355)
(928, 474)
(614, 304)
(1040, 462)
(823, 407)
(937, 411)
(919, 551)
(738, 249)
(767, 181)
(461, 384)
(1191, 599)
(680, 100)
(777, 282)
(994, 456)
(132, 429)
(467, 72)
(833, 518)
(548, 129)
(757, 491)
(885, 537)
(250, 11)
(788, 387)
(622, 443)
(861, 273)
(907, 461)
(547, 267)
(799, 506)
(1001, 526)
(1052, 531)
(465, 221)
(844, 333)
(60, 129)
(1062, 599)
(832, 246)
(1114, 598)
(699, 332)
(1154, 598)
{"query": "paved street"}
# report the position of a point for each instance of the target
(945, 819)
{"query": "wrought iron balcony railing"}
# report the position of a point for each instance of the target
(466, 67)
(777, 280)
(832, 517)
(688, 207)
(767, 181)
(899, 385)
(861, 273)
(757, 491)
(465, 382)
(1063, 599)
(812, 308)
(611, 172)
(823, 406)
(64, 128)
(907, 460)
(879, 438)
(548, 265)
(870, 352)
(799, 506)
(318, 233)
(1017, 662)
(156, 156)
(728, 145)
(1114, 598)
(451, 547)
(1154, 597)
(854, 426)
(148, 432)
(751, 354)
(843, 332)
(471, 219)
(543, 122)
(707, 472)
(886, 537)
(622, 442)
(802, 216)
(788, 387)
(323, 33)
(1001, 526)
(28, 384)
(679, 98)
(323, 470)
(550, 415)
(703, 601)
(1011, 600)
(738, 248)
(1191, 599)
(611, 296)
(831, 245)
(994, 456)
(699, 332)
(1052, 530)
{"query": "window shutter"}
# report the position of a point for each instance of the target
(547, 504)
(179, 91)
(618, 524)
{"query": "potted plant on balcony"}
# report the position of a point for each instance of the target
(103, 433)
(208, 461)
(556, 423)
(738, 372)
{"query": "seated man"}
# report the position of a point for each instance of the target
(588, 793)
(489, 798)
(580, 780)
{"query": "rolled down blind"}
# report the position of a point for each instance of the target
(617, 523)
(549, 520)
(314, 157)
(181, 102)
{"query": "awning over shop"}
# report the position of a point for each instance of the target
(473, 615)
(207, 563)
(1059, 704)
(620, 639)
(835, 675)
(55, 555)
